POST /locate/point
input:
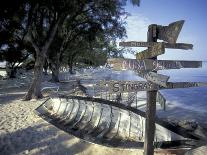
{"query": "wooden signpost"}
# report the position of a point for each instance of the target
(147, 65)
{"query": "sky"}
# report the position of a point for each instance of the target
(164, 12)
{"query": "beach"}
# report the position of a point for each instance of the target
(24, 132)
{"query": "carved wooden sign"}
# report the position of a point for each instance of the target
(158, 79)
(130, 86)
(151, 65)
(170, 33)
(135, 86)
(154, 51)
(174, 85)
(150, 44)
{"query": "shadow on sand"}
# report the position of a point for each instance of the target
(40, 139)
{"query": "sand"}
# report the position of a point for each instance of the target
(23, 132)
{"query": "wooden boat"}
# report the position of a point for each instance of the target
(110, 123)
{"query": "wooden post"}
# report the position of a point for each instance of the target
(151, 104)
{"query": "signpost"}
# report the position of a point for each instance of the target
(151, 104)
(147, 65)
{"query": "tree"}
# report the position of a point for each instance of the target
(102, 18)
(43, 19)
(12, 31)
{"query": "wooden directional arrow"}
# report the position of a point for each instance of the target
(174, 85)
(171, 32)
(130, 86)
(150, 44)
(152, 52)
(151, 65)
(135, 86)
(158, 79)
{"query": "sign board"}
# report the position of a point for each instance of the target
(150, 44)
(130, 86)
(173, 85)
(151, 65)
(154, 51)
(158, 79)
(134, 86)
(170, 33)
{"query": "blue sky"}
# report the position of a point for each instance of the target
(163, 12)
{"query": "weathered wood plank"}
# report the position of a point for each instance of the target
(170, 33)
(174, 85)
(152, 52)
(135, 86)
(158, 79)
(183, 46)
(151, 65)
(129, 86)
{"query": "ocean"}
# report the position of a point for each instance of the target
(182, 104)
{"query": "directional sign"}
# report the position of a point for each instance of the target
(130, 86)
(151, 65)
(174, 85)
(135, 86)
(150, 44)
(154, 51)
(170, 33)
(158, 79)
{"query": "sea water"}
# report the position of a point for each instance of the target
(182, 104)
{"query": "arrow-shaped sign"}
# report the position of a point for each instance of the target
(151, 65)
(135, 86)
(154, 51)
(155, 78)
(150, 44)
(170, 33)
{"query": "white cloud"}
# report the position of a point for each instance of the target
(136, 28)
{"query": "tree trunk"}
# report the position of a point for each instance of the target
(70, 64)
(45, 67)
(54, 64)
(35, 88)
(11, 70)
(71, 69)
(55, 72)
